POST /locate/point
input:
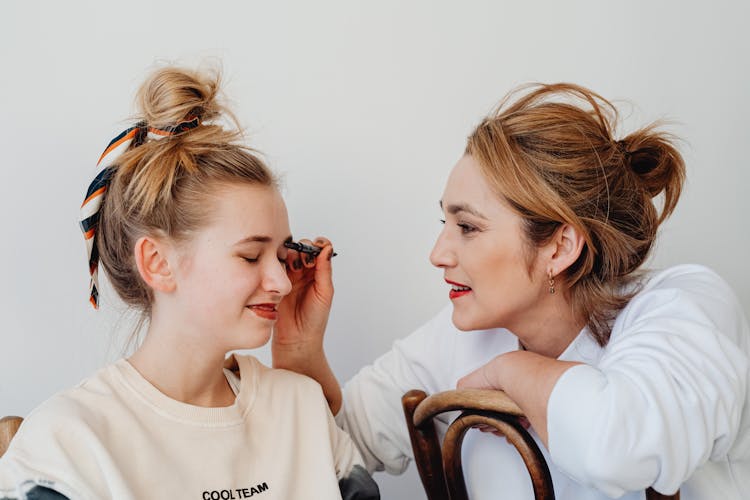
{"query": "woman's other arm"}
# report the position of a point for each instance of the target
(667, 395)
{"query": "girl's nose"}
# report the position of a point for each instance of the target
(276, 279)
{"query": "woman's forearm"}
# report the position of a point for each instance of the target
(527, 378)
(310, 361)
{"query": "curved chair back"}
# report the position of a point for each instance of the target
(441, 470)
(8, 428)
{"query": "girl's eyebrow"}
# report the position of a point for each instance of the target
(260, 238)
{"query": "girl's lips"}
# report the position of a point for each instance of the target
(266, 311)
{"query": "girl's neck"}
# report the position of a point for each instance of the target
(181, 370)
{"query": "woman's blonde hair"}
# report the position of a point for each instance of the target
(549, 151)
(164, 187)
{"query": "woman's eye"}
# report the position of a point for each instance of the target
(442, 221)
(466, 228)
(252, 260)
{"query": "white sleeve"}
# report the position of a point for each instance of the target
(354, 481)
(345, 454)
(667, 395)
(372, 413)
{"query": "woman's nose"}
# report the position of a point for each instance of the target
(442, 255)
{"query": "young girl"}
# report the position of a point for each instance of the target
(191, 229)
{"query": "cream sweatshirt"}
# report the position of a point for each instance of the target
(116, 436)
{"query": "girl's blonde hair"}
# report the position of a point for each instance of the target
(163, 187)
(550, 152)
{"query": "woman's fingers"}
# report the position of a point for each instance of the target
(488, 428)
(475, 380)
(321, 241)
(304, 268)
(308, 259)
(293, 262)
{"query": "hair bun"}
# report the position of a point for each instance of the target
(651, 154)
(642, 160)
(171, 95)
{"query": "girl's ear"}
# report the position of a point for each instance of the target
(153, 265)
(564, 248)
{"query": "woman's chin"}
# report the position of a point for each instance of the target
(463, 321)
(468, 321)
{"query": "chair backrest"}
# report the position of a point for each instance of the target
(8, 428)
(441, 470)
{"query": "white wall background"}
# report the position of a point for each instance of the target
(364, 107)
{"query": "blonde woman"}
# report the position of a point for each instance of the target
(629, 378)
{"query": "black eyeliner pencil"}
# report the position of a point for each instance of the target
(308, 249)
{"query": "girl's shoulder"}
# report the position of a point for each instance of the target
(249, 368)
(83, 400)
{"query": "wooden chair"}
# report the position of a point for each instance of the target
(8, 428)
(441, 471)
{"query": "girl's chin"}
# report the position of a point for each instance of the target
(257, 337)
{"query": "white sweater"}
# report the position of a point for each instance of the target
(116, 436)
(664, 404)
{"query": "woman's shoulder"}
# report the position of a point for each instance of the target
(689, 277)
(685, 283)
(680, 296)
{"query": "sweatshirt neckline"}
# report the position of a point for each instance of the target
(192, 414)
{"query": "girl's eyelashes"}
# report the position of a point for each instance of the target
(253, 260)
(442, 221)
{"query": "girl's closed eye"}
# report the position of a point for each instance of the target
(252, 260)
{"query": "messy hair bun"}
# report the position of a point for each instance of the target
(651, 155)
(550, 152)
(172, 94)
(163, 186)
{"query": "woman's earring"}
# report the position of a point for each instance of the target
(551, 282)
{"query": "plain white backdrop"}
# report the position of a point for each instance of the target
(363, 107)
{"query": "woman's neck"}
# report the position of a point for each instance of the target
(182, 370)
(549, 330)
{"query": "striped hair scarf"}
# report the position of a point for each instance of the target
(106, 166)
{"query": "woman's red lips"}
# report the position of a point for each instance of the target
(457, 289)
(266, 311)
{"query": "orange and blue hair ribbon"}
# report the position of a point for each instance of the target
(106, 166)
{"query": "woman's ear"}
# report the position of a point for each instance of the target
(153, 265)
(566, 246)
